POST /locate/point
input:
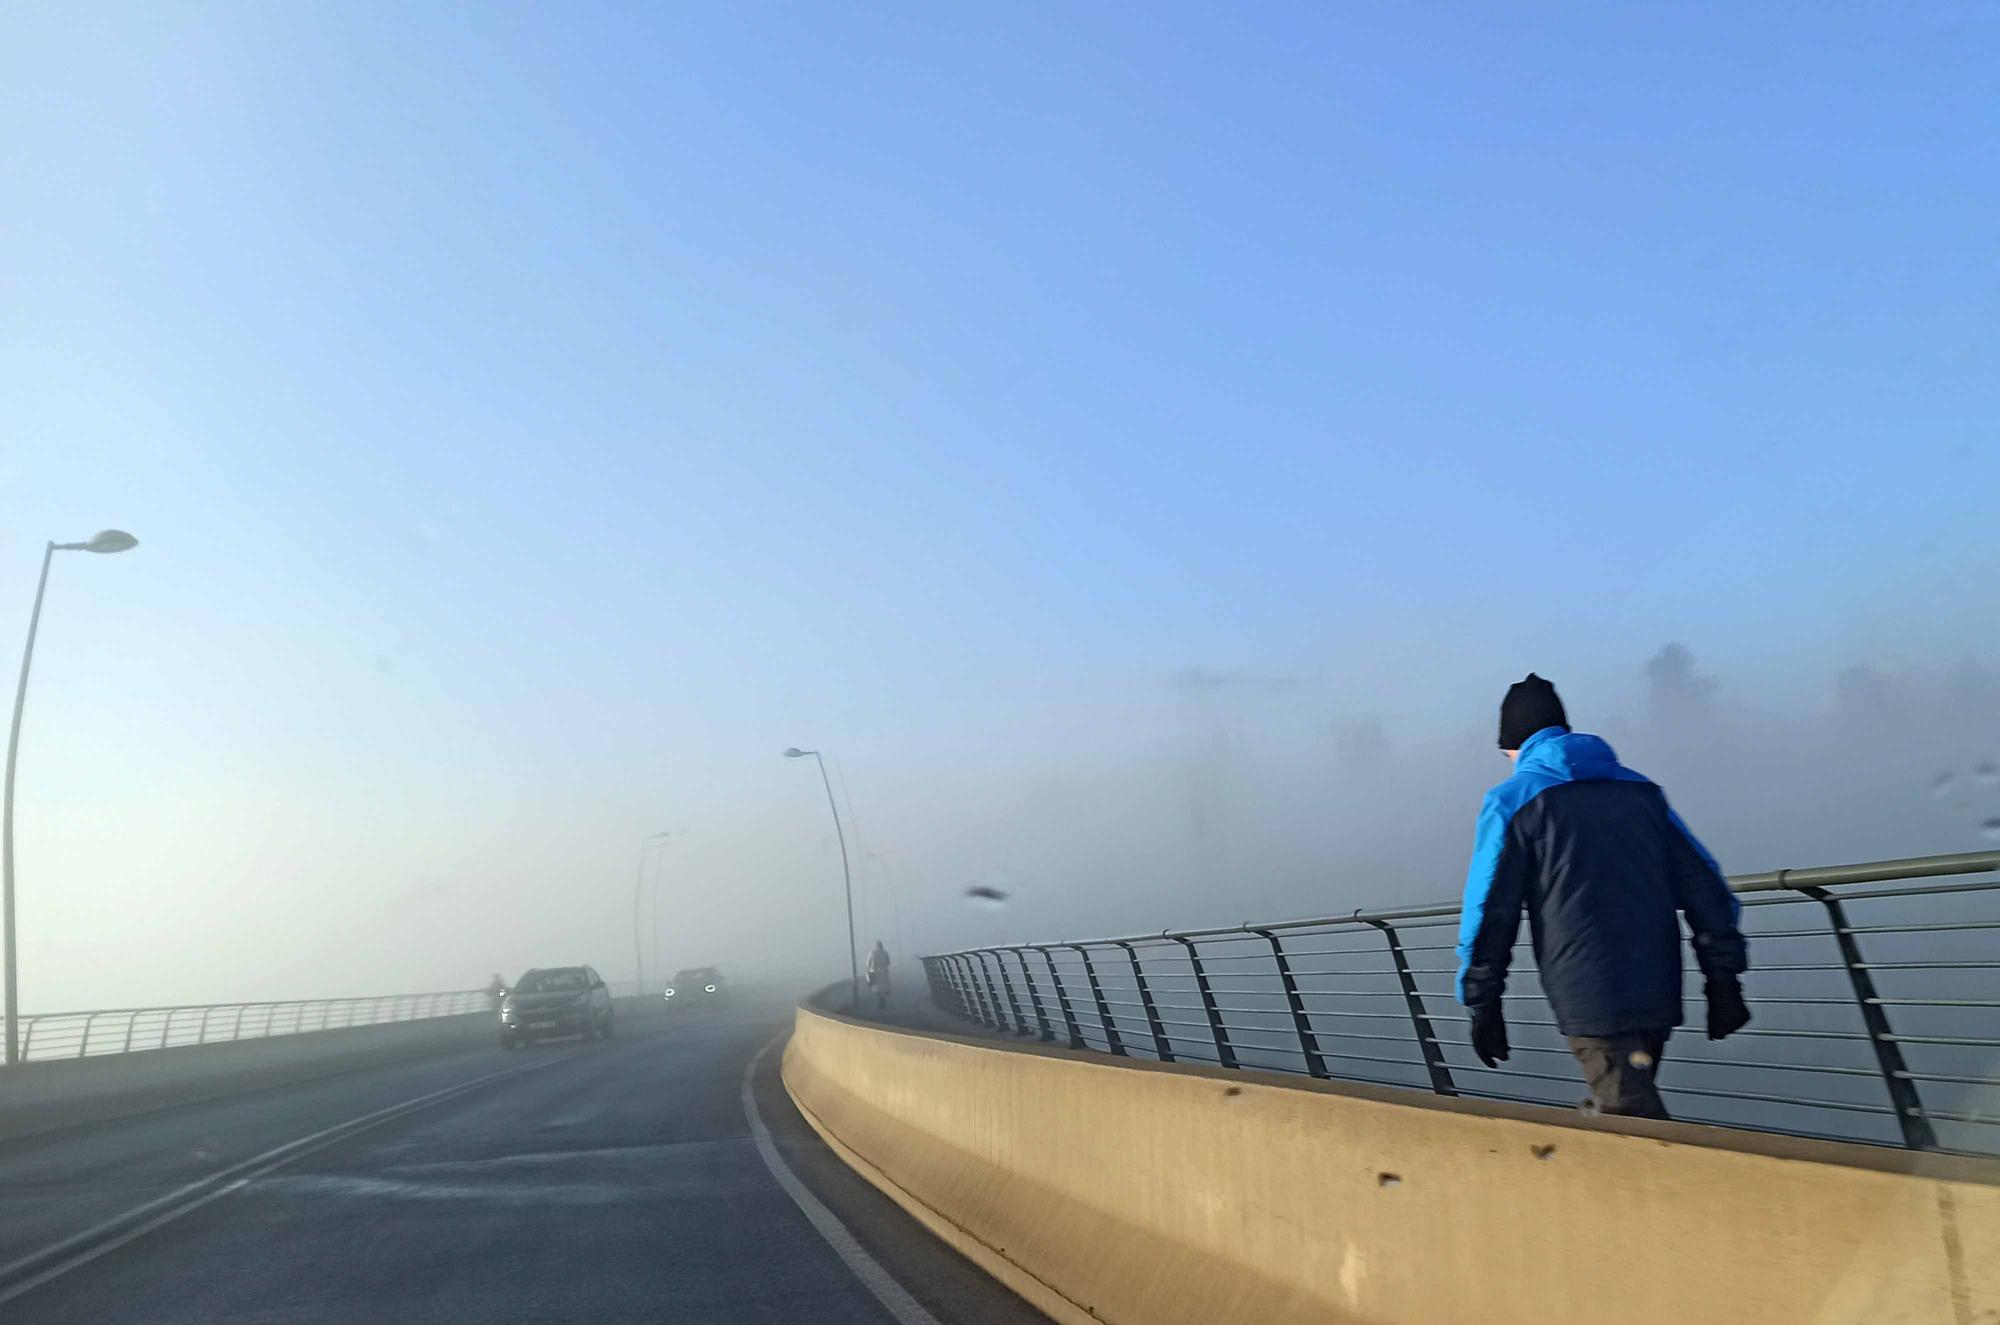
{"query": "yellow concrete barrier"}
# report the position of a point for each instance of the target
(1103, 1189)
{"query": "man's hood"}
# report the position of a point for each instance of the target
(1569, 756)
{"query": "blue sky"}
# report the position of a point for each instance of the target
(535, 417)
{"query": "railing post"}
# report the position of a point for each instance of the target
(131, 1023)
(167, 1027)
(956, 978)
(1308, 1037)
(201, 1037)
(969, 989)
(1062, 1001)
(236, 1027)
(1427, 1044)
(1160, 1045)
(82, 1049)
(1225, 1053)
(975, 1008)
(949, 966)
(1909, 1106)
(1020, 1022)
(1112, 1041)
(1034, 996)
(999, 1022)
(29, 1037)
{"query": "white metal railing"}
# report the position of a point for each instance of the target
(52, 1035)
(1878, 1007)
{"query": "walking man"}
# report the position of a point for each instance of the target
(1601, 863)
(878, 974)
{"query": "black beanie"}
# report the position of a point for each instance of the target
(1531, 705)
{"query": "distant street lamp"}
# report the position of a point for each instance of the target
(109, 540)
(846, 876)
(638, 890)
(895, 904)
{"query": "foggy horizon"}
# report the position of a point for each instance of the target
(1230, 798)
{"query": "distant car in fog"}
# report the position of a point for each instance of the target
(549, 1002)
(696, 986)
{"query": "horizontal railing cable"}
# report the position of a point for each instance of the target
(1883, 974)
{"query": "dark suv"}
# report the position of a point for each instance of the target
(552, 1001)
(698, 986)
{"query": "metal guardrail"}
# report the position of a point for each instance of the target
(1877, 1011)
(52, 1035)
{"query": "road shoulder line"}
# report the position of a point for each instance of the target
(893, 1296)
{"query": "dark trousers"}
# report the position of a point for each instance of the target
(1620, 1070)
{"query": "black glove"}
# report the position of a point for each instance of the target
(1489, 1034)
(1727, 1012)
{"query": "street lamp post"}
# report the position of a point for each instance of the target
(846, 876)
(638, 890)
(109, 540)
(895, 903)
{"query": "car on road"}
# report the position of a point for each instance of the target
(553, 1001)
(697, 986)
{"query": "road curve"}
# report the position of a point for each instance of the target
(618, 1181)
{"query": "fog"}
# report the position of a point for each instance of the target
(1258, 797)
(1138, 455)
(1221, 796)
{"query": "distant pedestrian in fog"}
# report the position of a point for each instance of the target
(1601, 863)
(878, 974)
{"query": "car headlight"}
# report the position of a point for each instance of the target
(670, 993)
(580, 1001)
(708, 989)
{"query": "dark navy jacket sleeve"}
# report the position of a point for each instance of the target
(1712, 911)
(1490, 918)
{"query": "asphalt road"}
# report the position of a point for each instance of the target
(616, 1181)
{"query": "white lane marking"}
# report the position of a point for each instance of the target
(373, 1188)
(193, 1196)
(892, 1295)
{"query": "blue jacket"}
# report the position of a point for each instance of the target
(1601, 863)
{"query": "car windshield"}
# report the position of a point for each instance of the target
(896, 497)
(564, 981)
